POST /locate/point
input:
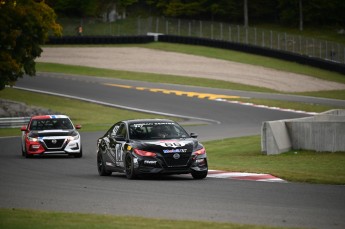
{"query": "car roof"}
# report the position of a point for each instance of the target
(147, 120)
(48, 117)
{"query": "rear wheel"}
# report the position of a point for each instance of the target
(129, 166)
(102, 170)
(199, 175)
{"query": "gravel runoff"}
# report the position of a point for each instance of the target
(153, 61)
(10, 108)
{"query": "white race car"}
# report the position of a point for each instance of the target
(51, 134)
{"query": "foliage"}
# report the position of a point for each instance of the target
(24, 26)
(74, 7)
(84, 8)
(315, 12)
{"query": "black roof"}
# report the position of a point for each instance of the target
(147, 120)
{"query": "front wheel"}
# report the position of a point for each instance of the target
(78, 155)
(102, 170)
(129, 166)
(199, 175)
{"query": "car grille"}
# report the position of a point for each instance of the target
(51, 144)
(172, 162)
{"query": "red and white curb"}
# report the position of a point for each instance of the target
(244, 176)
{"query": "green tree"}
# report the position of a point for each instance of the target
(73, 8)
(24, 26)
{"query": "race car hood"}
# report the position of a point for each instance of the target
(45, 133)
(168, 146)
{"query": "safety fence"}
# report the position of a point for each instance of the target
(280, 41)
(14, 122)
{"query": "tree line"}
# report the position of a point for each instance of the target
(249, 12)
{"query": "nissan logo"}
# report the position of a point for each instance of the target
(54, 141)
(176, 156)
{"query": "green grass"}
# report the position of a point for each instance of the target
(300, 106)
(19, 218)
(247, 58)
(147, 77)
(212, 53)
(325, 33)
(244, 155)
(80, 112)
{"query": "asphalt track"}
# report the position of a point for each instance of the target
(73, 185)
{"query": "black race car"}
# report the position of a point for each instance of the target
(150, 146)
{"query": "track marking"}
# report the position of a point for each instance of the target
(243, 176)
(215, 97)
(176, 92)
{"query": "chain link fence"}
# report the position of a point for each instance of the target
(322, 49)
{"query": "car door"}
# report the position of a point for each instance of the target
(107, 144)
(117, 142)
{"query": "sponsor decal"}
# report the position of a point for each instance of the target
(170, 143)
(152, 124)
(150, 162)
(109, 164)
(175, 150)
(129, 147)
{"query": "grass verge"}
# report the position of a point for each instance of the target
(243, 155)
(217, 53)
(147, 77)
(247, 58)
(80, 112)
(18, 218)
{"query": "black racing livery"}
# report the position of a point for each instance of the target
(150, 146)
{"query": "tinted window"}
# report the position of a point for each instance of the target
(122, 131)
(113, 130)
(156, 130)
(51, 124)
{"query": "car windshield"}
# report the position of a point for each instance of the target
(156, 130)
(51, 124)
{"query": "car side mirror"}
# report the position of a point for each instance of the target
(78, 126)
(23, 128)
(193, 135)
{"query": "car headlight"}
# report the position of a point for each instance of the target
(31, 139)
(200, 151)
(73, 137)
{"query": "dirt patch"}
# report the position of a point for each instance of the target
(171, 63)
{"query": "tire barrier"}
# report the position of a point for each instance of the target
(64, 40)
(279, 54)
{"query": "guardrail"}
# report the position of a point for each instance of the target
(13, 122)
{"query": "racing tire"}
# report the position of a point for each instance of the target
(102, 170)
(23, 150)
(25, 153)
(129, 167)
(199, 175)
(78, 155)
